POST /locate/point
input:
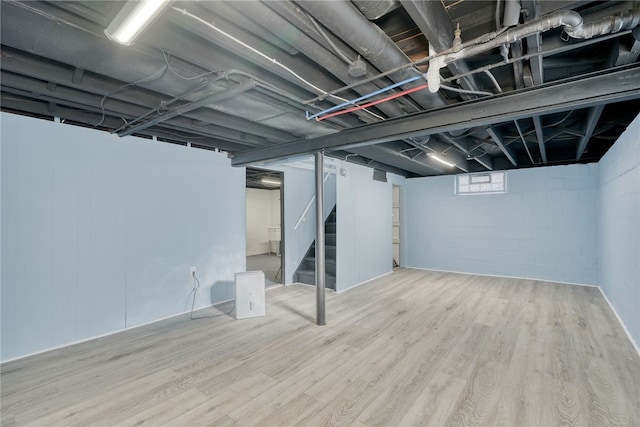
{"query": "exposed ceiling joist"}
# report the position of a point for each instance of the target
(435, 24)
(508, 151)
(465, 145)
(57, 62)
(537, 123)
(589, 127)
(619, 84)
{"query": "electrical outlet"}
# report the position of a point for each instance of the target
(193, 270)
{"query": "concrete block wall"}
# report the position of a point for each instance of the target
(619, 231)
(543, 227)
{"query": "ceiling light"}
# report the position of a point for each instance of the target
(270, 181)
(444, 162)
(134, 17)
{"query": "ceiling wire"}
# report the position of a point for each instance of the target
(167, 56)
(268, 58)
(426, 59)
(471, 92)
(162, 108)
(552, 124)
(325, 36)
(524, 142)
(148, 79)
(493, 80)
(372, 103)
(522, 138)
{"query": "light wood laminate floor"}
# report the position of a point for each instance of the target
(412, 348)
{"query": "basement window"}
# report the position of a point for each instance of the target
(481, 183)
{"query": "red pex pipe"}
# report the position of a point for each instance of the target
(371, 104)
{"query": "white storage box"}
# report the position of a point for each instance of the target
(250, 296)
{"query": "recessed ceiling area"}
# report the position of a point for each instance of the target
(263, 179)
(276, 79)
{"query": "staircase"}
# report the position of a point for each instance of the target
(306, 272)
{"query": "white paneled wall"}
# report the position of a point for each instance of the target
(99, 232)
(364, 227)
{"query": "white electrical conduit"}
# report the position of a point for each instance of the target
(268, 58)
(470, 92)
(325, 36)
(493, 79)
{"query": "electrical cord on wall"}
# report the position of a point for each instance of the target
(196, 286)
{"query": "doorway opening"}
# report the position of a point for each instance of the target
(265, 219)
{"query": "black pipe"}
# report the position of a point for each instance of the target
(258, 12)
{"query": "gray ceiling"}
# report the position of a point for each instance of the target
(243, 77)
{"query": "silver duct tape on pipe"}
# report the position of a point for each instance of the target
(608, 25)
(573, 26)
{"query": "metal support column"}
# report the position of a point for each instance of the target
(320, 267)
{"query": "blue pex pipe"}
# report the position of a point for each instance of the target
(362, 98)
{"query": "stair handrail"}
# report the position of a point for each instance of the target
(303, 216)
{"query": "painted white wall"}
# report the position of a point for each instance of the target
(275, 208)
(364, 247)
(619, 231)
(99, 232)
(263, 211)
(544, 227)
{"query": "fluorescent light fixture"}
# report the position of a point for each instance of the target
(270, 181)
(444, 162)
(133, 18)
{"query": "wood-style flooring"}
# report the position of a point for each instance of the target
(412, 348)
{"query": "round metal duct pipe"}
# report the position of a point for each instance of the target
(346, 21)
(511, 13)
(373, 10)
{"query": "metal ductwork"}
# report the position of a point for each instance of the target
(346, 21)
(375, 9)
(511, 15)
(281, 28)
(570, 20)
(249, 78)
(575, 28)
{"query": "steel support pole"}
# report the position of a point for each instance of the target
(320, 266)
